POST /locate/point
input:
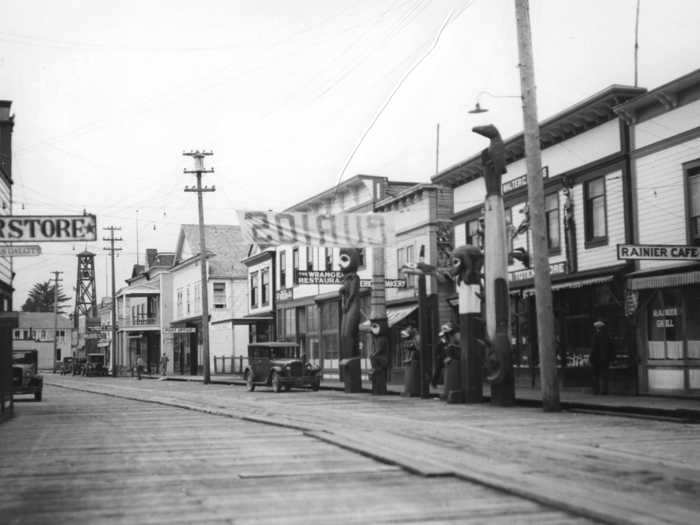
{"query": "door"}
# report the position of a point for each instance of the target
(193, 354)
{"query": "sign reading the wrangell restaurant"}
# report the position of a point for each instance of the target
(310, 229)
(318, 277)
(529, 273)
(44, 228)
(23, 250)
(667, 252)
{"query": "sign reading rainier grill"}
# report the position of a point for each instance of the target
(318, 277)
(44, 228)
(666, 252)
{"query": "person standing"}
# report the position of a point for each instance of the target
(600, 357)
(164, 365)
(139, 366)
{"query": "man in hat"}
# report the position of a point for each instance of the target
(600, 357)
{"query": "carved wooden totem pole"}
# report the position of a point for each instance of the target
(497, 341)
(379, 358)
(466, 386)
(349, 327)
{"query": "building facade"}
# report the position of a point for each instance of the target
(663, 291)
(37, 331)
(7, 122)
(586, 172)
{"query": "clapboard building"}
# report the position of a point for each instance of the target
(7, 122)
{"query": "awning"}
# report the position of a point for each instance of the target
(581, 283)
(394, 315)
(664, 281)
(103, 344)
(246, 320)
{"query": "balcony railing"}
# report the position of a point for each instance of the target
(139, 320)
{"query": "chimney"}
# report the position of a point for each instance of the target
(151, 254)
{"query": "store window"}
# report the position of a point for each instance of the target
(265, 286)
(664, 325)
(594, 212)
(692, 328)
(693, 182)
(283, 269)
(551, 210)
(254, 289)
(295, 263)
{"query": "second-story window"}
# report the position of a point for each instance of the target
(694, 204)
(595, 220)
(310, 258)
(179, 302)
(295, 263)
(197, 297)
(188, 302)
(472, 233)
(551, 210)
(219, 295)
(328, 259)
(283, 269)
(254, 289)
(265, 287)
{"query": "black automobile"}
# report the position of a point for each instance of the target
(95, 365)
(66, 366)
(25, 375)
(279, 365)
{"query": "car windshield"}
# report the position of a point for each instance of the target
(22, 358)
(284, 353)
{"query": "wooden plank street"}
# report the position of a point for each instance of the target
(576, 465)
(78, 457)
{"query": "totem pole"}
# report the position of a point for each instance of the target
(411, 341)
(467, 385)
(497, 340)
(569, 228)
(379, 358)
(350, 307)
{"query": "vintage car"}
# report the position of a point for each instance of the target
(95, 365)
(279, 365)
(25, 375)
(66, 366)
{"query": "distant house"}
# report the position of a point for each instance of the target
(35, 331)
(227, 297)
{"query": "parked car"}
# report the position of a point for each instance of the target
(65, 366)
(95, 365)
(279, 365)
(78, 367)
(25, 374)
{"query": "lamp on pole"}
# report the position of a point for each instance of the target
(477, 106)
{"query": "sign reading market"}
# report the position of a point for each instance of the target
(44, 228)
(665, 252)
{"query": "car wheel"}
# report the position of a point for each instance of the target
(287, 388)
(249, 385)
(37, 396)
(276, 384)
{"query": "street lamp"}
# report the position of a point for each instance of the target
(477, 106)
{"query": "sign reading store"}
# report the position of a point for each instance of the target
(665, 252)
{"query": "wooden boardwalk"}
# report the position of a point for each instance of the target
(78, 457)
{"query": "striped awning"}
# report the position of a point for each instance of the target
(581, 283)
(664, 281)
(394, 314)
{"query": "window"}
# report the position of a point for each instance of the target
(328, 258)
(42, 337)
(179, 302)
(404, 256)
(283, 269)
(295, 263)
(596, 228)
(197, 297)
(473, 232)
(694, 204)
(310, 258)
(551, 211)
(265, 287)
(219, 295)
(15, 334)
(254, 290)
(188, 303)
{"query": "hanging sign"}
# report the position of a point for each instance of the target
(354, 230)
(666, 252)
(180, 330)
(44, 228)
(25, 250)
(334, 277)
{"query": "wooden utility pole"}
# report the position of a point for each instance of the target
(535, 189)
(198, 157)
(112, 250)
(56, 280)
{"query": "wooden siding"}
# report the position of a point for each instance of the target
(667, 125)
(662, 214)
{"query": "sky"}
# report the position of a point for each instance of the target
(291, 98)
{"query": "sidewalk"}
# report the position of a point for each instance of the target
(572, 399)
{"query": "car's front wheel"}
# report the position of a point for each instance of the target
(37, 396)
(249, 385)
(276, 383)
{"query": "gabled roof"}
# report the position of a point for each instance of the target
(225, 241)
(42, 320)
(574, 120)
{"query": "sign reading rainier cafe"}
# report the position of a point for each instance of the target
(666, 252)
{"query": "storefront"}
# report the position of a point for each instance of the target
(666, 307)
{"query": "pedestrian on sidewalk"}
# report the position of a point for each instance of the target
(600, 357)
(164, 365)
(139, 366)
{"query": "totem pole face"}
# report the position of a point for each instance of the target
(379, 327)
(466, 264)
(349, 260)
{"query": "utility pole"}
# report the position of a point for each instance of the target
(56, 280)
(535, 189)
(111, 249)
(198, 157)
